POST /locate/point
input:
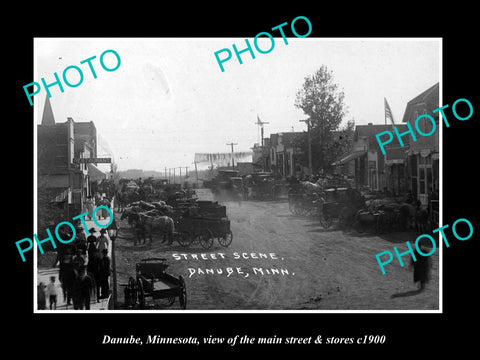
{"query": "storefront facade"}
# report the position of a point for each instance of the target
(423, 156)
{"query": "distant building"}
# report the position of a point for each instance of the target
(284, 153)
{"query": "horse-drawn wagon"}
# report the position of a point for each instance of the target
(203, 230)
(153, 281)
(303, 198)
(342, 204)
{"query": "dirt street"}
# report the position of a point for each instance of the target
(279, 261)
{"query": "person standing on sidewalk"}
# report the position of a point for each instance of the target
(93, 268)
(91, 243)
(102, 241)
(105, 202)
(52, 293)
(105, 270)
(41, 302)
(82, 288)
(90, 204)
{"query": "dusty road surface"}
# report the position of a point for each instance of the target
(279, 261)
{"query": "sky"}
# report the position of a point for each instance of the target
(169, 99)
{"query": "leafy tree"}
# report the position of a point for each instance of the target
(322, 101)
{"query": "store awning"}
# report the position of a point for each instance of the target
(95, 173)
(349, 157)
(62, 196)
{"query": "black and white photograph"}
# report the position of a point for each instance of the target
(266, 185)
(220, 179)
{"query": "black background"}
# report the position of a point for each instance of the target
(407, 334)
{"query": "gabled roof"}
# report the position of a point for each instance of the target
(429, 97)
(370, 131)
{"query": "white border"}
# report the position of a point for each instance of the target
(304, 312)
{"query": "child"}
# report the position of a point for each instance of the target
(52, 292)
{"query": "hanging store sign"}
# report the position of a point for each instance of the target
(92, 160)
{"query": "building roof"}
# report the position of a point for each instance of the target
(288, 138)
(48, 118)
(370, 131)
(429, 97)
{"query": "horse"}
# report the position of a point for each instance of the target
(162, 224)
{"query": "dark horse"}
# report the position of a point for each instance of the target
(142, 224)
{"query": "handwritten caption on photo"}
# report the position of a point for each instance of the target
(245, 271)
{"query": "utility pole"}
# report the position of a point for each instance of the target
(310, 167)
(231, 144)
(196, 172)
(165, 172)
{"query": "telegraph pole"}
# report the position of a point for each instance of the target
(231, 144)
(310, 167)
(196, 172)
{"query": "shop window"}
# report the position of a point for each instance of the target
(429, 179)
(422, 180)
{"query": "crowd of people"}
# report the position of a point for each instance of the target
(97, 200)
(84, 269)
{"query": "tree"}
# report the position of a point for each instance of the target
(322, 101)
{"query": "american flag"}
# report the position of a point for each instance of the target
(388, 112)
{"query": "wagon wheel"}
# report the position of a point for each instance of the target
(297, 209)
(130, 293)
(170, 301)
(184, 238)
(326, 220)
(303, 210)
(226, 240)
(141, 294)
(205, 238)
(182, 298)
(311, 210)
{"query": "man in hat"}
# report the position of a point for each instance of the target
(82, 287)
(91, 242)
(80, 240)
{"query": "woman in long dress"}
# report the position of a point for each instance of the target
(90, 206)
(106, 203)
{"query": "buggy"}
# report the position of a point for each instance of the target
(152, 280)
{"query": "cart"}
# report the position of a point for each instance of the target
(152, 280)
(335, 200)
(203, 230)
